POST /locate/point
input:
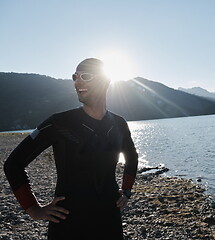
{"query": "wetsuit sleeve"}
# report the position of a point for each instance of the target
(22, 155)
(131, 159)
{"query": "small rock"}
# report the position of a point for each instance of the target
(209, 219)
(169, 224)
(198, 179)
(158, 234)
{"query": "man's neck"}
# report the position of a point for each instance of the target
(96, 112)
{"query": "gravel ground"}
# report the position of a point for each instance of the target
(160, 208)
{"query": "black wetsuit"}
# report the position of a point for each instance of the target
(86, 152)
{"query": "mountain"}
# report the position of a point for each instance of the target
(141, 99)
(199, 92)
(28, 99)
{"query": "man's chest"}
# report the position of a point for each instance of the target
(86, 137)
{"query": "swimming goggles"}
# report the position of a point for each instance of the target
(83, 76)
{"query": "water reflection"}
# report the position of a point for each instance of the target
(185, 145)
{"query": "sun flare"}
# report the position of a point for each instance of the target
(118, 66)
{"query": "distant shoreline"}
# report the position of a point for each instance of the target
(17, 131)
(128, 121)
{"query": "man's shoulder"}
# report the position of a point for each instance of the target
(61, 120)
(117, 117)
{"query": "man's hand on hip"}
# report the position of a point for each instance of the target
(50, 212)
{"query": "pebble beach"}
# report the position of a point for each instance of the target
(161, 207)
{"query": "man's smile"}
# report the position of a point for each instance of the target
(81, 90)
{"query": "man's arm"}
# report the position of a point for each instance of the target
(130, 169)
(14, 167)
(22, 155)
(131, 160)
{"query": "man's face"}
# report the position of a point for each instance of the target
(89, 91)
(82, 88)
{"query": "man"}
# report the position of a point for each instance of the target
(86, 142)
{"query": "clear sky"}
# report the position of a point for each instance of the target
(169, 41)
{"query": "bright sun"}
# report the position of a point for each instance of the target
(118, 66)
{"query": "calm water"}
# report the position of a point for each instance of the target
(184, 145)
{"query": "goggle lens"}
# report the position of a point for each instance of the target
(84, 76)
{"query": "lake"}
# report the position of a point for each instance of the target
(184, 145)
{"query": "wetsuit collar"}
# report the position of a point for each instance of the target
(104, 117)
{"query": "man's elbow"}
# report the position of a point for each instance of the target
(10, 170)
